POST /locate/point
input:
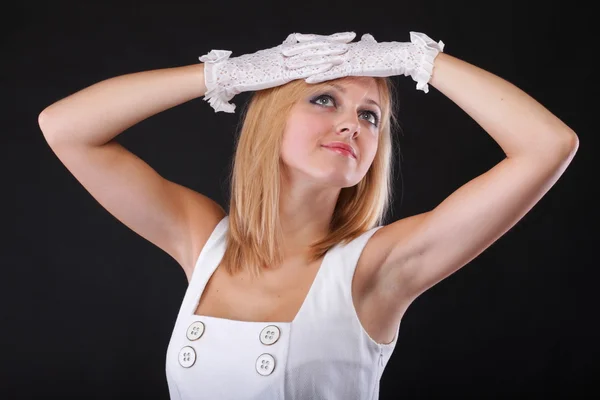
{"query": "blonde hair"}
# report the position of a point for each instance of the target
(254, 236)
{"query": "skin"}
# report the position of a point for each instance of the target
(312, 176)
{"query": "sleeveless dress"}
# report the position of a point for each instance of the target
(323, 354)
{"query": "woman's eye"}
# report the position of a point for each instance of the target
(322, 97)
(372, 114)
(375, 120)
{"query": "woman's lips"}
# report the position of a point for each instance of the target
(340, 151)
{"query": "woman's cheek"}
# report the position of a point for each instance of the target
(307, 131)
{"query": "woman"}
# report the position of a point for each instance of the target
(298, 291)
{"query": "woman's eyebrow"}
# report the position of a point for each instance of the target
(343, 90)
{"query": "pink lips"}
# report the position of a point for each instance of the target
(342, 148)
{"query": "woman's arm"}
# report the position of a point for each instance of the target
(517, 122)
(98, 113)
(80, 130)
(538, 148)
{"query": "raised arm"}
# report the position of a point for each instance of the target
(80, 130)
(428, 247)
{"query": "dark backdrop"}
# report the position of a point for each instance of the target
(88, 306)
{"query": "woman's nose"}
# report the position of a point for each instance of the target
(349, 123)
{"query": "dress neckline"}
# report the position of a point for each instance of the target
(221, 249)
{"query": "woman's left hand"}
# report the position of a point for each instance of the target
(370, 58)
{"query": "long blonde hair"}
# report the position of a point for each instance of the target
(254, 236)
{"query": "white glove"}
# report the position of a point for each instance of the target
(225, 77)
(369, 58)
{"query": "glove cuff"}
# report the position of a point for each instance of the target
(430, 50)
(216, 95)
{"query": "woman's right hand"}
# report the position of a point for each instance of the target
(225, 77)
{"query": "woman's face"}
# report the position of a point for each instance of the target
(347, 112)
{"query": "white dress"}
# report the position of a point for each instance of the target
(324, 353)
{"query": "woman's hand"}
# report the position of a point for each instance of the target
(299, 56)
(370, 58)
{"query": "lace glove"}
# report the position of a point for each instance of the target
(312, 54)
(369, 58)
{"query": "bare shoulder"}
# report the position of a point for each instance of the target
(203, 214)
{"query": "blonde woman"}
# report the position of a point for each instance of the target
(297, 292)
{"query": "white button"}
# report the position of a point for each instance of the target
(265, 364)
(187, 356)
(195, 331)
(270, 335)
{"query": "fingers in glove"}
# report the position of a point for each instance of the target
(340, 37)
(318, 47)
(302, 60)
(367, 37)
(310, 70)
(291, 39)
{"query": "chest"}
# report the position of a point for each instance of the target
(278, 296)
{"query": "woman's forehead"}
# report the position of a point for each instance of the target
(365, 81)
(367, 86)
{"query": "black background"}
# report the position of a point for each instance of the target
(88, 306)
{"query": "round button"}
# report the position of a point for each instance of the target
(187, 356)
(270, 335)
(265, 364)
(195, 330)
